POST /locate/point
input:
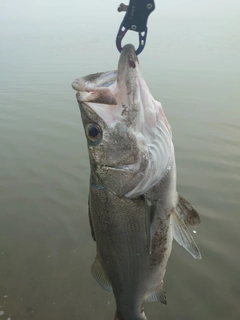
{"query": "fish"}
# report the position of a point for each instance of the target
(135, 211)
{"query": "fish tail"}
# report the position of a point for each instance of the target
(140, 316)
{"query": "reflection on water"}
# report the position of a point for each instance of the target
(46, 247)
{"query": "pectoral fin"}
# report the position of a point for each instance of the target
(182, 235)
(158, 295)
(91, 225)
(188, 214)
(100, 276)
(90, 219)
(150, 208)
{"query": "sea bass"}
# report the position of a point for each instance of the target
(134, 208)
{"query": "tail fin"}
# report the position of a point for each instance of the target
(139, 316)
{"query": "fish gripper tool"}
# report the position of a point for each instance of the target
(135, 19)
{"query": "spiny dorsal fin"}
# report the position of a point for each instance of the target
(158, 295)
(182, 235)
(150, 207)
(100, 276)
(188, 214)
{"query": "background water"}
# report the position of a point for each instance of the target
(192, 65)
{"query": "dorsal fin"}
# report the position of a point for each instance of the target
(187, 213)
(182, 235)
(100, 276)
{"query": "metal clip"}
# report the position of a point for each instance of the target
(135, 19)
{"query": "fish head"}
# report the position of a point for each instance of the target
(129, 138)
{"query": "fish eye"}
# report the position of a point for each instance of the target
(93, 132)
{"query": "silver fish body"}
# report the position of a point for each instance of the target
(134, 208)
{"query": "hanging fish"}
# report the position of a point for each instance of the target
(134, 208)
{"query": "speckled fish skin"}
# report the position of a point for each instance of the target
(134, 209)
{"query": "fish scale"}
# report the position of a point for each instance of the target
(124, 244)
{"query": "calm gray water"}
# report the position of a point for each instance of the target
(192, 65)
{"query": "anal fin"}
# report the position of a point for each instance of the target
(182, 235)
(158, 295)
(100, 276)
(185, 210)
